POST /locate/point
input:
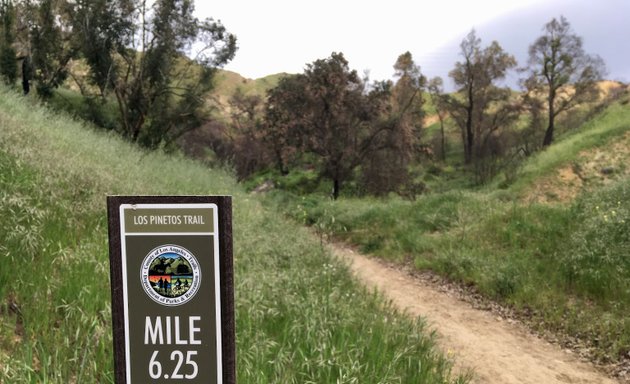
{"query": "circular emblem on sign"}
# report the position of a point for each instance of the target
(170, 275)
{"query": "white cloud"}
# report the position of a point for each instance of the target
(283, 36)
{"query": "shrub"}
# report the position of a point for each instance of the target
(595, 261)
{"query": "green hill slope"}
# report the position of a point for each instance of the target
(602, 142)
(228, 82)
(552, 249)
(299, 316)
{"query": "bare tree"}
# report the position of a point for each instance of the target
(156, 58)
(436, 90)
(561, 72)
(480, 107)
(387, 169)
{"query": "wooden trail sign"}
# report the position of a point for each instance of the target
(172, 289)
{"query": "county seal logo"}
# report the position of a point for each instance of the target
(170, 275)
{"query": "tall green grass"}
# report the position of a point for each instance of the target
(300, 318)
(566, 267)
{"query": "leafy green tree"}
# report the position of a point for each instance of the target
(105, 27)
(561, 72)
(157, 60)
(51, 49)
(25, 18)
(8, 60)
(480, 107)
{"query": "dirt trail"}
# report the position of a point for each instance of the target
(498, 351)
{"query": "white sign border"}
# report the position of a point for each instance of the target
(217, 274)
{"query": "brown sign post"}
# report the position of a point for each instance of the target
(172, 289)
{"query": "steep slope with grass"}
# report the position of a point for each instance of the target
(594, 155)
(299, 316)
(559, 263)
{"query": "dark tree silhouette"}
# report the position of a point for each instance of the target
(331, 114)
(183, 269)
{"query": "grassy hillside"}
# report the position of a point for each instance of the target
(299, 316)
(228, 82)
(600, 133)
(560, 261)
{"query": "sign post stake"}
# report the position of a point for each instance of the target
(172, 289)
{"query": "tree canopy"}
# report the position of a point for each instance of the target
(158, 61)
(8, 65)
(387, 168)
(561, 71)
(480, 106)
(155, 59)
(332, 114)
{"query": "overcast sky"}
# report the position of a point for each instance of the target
(283, 36)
